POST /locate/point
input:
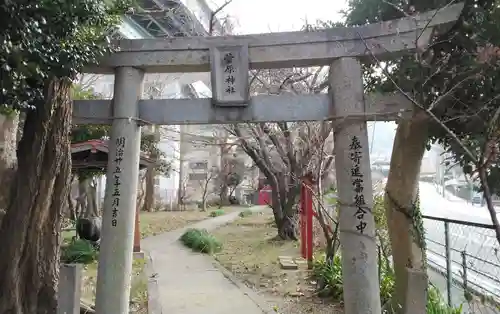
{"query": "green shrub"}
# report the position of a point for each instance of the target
(200, 240)
(329, 277)
(386, 284)
(217, 212)
(245, 213)
(79, 252)
(436, 304)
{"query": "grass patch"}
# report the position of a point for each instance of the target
(155, 223)
(139, 287)
(138, 291)
(152, 224)
(67, 236)
(200, 240)
(251, 252)
(245, 213)
(89, 281)
(217, 213)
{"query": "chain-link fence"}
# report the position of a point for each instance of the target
(464, 263)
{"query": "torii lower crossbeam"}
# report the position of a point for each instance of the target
(291, 108)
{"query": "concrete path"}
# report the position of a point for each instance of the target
(189, 283)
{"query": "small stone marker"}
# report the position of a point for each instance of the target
(287, 263)
(70, 280)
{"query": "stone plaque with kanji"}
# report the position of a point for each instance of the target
(229, 75)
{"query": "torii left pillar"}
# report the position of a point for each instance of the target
(116, 253)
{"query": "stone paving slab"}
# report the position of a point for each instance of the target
(190, 283)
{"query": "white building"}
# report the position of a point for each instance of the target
(201, 153)
(162, 18)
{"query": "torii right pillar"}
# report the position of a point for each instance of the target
(355, 192)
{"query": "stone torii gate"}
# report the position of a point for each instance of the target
(229, 59)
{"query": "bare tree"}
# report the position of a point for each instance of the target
(284, 152)
(230, 176)
(205, 182)
(224, 23)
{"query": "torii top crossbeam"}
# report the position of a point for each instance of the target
(280, 50)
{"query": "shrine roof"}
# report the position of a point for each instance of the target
(93, 154)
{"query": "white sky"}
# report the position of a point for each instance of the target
(263, 16)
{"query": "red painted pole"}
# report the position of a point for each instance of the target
(303, 239)
(137, 232)
(309, 221)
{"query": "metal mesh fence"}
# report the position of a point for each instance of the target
(464, 263)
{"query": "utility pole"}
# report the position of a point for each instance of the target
(471, 192)
(442, 171)
(443, 185)
(180, 190)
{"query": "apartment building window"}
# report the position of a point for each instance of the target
(199, 165)
(198, 176)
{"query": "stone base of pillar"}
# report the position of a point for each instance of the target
(416, 296)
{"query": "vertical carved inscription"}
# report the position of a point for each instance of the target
(356, 154)
(120, 149)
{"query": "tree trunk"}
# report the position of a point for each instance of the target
(140, 190)
(8, 145)
(489, 201)
(403, 218)
(90, 195)
(81, 200)
(149, 194)
(287, 228)
(31, 226)
(285, 215)
(223, 197)
(72, 211)
(204, 198)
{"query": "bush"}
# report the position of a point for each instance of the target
(245, 213)
(329, 278)
(79, 252)
(216, 213)
(200, 240)
(436, 304)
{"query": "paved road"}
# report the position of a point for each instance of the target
(483, 259)
(189, 283)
